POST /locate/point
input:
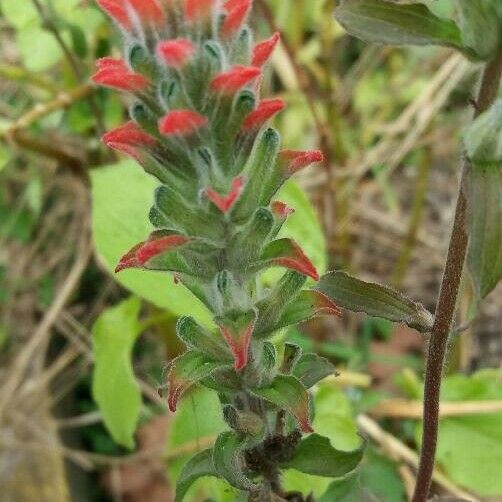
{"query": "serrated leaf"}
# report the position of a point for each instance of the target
(228, 459)
(288, 392)
(316, 456)
(199, 466)
(114, 387)
(311, 369)
(383, 22)
(375, 300)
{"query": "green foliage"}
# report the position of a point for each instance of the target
(483, 143)
(114, 387)
(374, 299)
(199, 466)
(383, 22)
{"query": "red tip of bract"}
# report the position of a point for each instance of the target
(265, 111)
(116, 9)
(115, 73)
(176, 389)
(198, 9)
(296, 259)
(145, 251)
(149, 11)
(181, 123)
(128, 138)
(239, 343)
(297, 160)
(324, 305)
(237, 11)
(263, 50)
(226, 202)
(231, 81)
(176, 53)
(281, 209)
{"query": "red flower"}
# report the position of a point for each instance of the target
(263, 50)
(115, 73)
(128, 139)
(287, 253)
(231, 81)
(225, 203)
(281, 210)
(176, 52)
(181, 122)
(147, 11)
(297, 160)
(265, 111)
(198, 9)
(145, 251)
(237, 11)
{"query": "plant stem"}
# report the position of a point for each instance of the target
(445, 309)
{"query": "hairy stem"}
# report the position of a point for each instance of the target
(447, 302)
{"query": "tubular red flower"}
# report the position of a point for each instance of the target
(292, 256)
(225, 203)
(198, 9)
(117, 10)
(297, 160)
(265, 111)
(263, 50)
(128, 139)
(149, 11)
(176, 53)
(281, 209)
(237, 12)
(231, 81)
(116, 74)
(181, 123)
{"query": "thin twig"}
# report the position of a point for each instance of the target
(447, 301)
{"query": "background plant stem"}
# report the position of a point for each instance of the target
(445, 309)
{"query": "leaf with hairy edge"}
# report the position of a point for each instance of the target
(483, 143)
(186, 370)
(311, 369)
(315, 455)
(383, 22)
(375, 300)
(198, 466)
(288, 392)
(114, 387)
(228, 459)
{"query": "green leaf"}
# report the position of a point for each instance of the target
(347, 489)
(483, 143)
(383, 22)
(311, 369)
(289, 393)
(39, 49)
(375, 300)
(228, 459)
(122, 195)
(114, 387)
(472, 441)
(316, 456)
(199, 466)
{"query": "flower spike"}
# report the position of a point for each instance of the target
(233, 80)
(116, 74)
(181, 123)
(297, 160)
(225, 203)
(176, 53)
(263, 50)
(265, 111)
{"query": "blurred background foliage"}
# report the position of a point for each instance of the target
(389, 121)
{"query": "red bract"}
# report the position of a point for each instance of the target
(281, 209)
(116, 9)
(225, 203)
(176, 53)
(198, 9)
(294, 258)
(237, 12)
(297, 160)
(116, 74)
(265, 111)
(263, 50)
(149, 11)
(128, 138)
(143, 252)
(324, 305)
(181, 123)
(238, 341)
(231, 81)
